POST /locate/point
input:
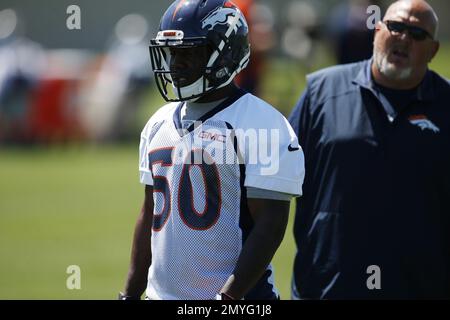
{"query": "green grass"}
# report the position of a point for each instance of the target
(63, 208)
(74, 206)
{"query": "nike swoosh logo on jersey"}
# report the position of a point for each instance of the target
(291, 148)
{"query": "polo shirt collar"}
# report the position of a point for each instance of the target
(425, 91)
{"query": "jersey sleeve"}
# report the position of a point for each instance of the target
(151, 127)
(275, 160)
(145, 174)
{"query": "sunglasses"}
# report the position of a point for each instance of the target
(416, 33)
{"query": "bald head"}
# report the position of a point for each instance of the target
(401, 58)
(415, 12)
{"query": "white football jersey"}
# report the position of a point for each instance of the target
(199, 175)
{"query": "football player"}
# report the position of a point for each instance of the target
(215, 208)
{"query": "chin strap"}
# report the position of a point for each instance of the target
(198, 87)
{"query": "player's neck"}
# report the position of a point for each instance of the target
(219, 94)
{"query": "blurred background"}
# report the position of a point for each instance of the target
(73, 102)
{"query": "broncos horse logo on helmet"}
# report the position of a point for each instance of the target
(220, 16)
(218, 24)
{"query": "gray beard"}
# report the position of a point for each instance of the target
(389, 70)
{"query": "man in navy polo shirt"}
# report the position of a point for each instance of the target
(374, 220)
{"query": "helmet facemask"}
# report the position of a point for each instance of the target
(167, 77)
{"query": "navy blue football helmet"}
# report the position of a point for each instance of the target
(216, 24)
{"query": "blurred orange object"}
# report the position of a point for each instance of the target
(50, 118)
(244, 5)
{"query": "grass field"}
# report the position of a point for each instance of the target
(75, 206)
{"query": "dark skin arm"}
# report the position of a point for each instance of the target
(270, 220)
(141, 255)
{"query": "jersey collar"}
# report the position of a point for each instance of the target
(236, 95)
